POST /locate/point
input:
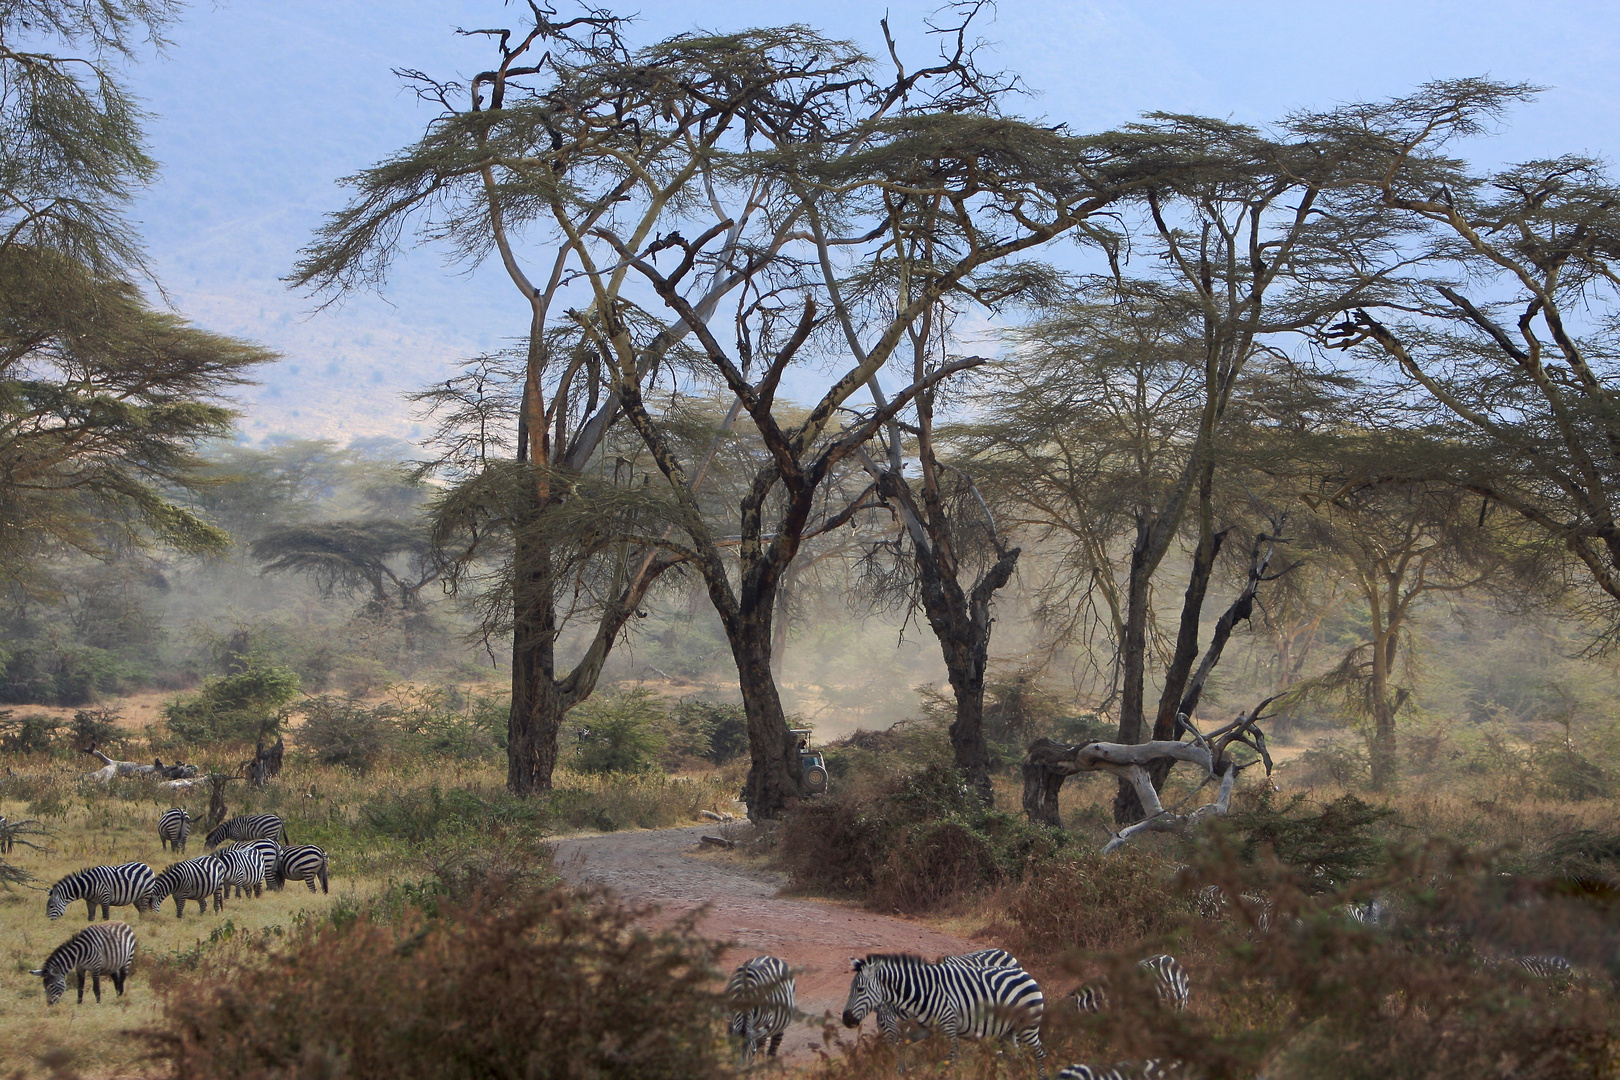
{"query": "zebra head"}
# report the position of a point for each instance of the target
(55, 984)
(866, 993)
(56, 903)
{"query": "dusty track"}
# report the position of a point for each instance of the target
(741, 906)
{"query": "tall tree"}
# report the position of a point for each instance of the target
(103, 399)
(1507, 332)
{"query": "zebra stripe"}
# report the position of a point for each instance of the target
(244, 867)
(174, 827)
(1544, 967)
(962, 1000)
(194, 879)
(888, 1020)
(248, 827)
(305, 863)
(108, 886)
(102, 949)
(6, 835)
(1169, 978)
(1151, 1069)
(761, 992)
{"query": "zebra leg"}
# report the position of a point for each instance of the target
(323, 880)
(89, 910)
(118, 981)
(311, 883)
(776, 1041)
(106, 912)
(219, 902)
(179, 907)
(81, 986)
(95, 983)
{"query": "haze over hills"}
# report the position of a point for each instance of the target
(259, 109)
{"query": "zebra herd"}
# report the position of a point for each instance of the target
(985, 994)
(257, 857)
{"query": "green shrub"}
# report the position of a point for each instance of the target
(560, 985)
(620, 732)
(92, 728)
(709, 730)
(35, 734)
(418, 816)
(919, 842)
(442, 722)
(1331, 846)
(241, 707)
(44, 672)
(342, 732)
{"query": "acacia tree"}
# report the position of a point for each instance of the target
(1508, 334)
(570, 136)
(103, 400)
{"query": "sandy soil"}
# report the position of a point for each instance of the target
(741, 905)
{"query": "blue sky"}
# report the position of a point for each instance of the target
(260, 107)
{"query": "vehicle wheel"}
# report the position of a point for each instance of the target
(815, 779)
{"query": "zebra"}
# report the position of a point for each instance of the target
(1151, 1069)
(1169, 978)
(109, 886)
(173, 829)
(305, 863)
(248, 827)
(102, 949)
(1372, 913)
(194, 879)
(244, 868)
(5, 836)
(888, 1019)
(1170, 981)
(1544, 967)
(962, 1000)
(761, 992)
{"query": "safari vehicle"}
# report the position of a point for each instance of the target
(812, 766)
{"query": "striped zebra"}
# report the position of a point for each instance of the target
(173, 829)
(761, 992)
(1169, 979)
(1151, 1069)
(1170, 982)
(244, 868)
(1544, 967)
(960, 1000)
(5, 836)
(194, 879)
(889, 1020)
(248, 827)
(108, 886)
(305, 863)
(102, 949)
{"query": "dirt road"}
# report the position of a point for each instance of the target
(815, 937)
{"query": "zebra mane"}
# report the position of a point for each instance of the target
(62, 948)
(910, 959)
(68, 881)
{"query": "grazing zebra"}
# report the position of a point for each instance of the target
(194, 879)
(109, 886)
(248, 827)
(244, 868)
(888, 1019)
(761, 992)
(173, 829)
(961, 1000)
(1373, 913)
(1151, 1069)
(1212, 901)
(305, 863)
(102, 949)
(1169, 979)
(1544, 967)
(5, 836)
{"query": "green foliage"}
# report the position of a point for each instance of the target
(709, 730)
(417, 817)
(555, 984)
(624, 731)
(92, 728)
(917, 842)
(1331, 846)
(35, 734)
(44, 671)
(337, 731)
(245, 706)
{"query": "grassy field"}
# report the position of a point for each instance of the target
(407, 822)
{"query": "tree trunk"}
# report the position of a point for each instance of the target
(1133, 649)
(1383, 751)
(1043, 779)
(773, 774)
(537, 712)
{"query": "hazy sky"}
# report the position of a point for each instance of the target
(260, 107)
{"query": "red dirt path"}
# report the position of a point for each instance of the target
(815, 937)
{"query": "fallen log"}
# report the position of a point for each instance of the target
(112, 767)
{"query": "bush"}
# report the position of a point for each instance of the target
(42, 672)
(620, 732)
(92, 728)
(242, 707)
(1331, 847)
(34, 734)
(559, 985)
(346, 733)
(918, 843)
(710, 730)
(1087, 900)
(419, 816)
